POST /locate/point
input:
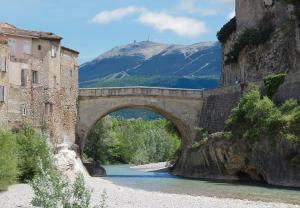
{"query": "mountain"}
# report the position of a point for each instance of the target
(155, 64)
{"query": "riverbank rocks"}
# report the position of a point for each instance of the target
(274, 162)
(95, 169)
(67, 162)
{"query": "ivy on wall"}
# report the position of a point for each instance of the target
(272, 83)
(250, 37)
(225, 32)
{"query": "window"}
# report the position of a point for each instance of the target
(1, 93)
(26, 47)
(53, 51)
(54, 81)
(35, 78)
(12, 46)
(71, 73)
(23, 110)
(39, 47)
(3, 64)
(23, 77)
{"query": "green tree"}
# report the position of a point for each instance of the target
(8, 159)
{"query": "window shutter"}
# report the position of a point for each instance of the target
(1, 63)
(1, 93)
(12, 46)
(27, 47)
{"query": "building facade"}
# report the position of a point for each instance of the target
(38, 83)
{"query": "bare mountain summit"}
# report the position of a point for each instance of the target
(155, 64)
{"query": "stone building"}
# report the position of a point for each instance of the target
(38, 83)
(279, 54)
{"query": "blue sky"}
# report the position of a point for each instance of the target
(95, 26)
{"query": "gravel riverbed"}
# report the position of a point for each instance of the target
(123, 197)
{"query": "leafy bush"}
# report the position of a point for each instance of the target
(32, 147)
(273, 82)
(198, 144)
(254, 117)
(250, 37)
(52, 190)
(115, 140)
(225, 32)
(8, 159)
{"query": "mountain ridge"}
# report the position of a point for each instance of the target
(150, 60)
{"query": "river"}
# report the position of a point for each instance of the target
(164, 182)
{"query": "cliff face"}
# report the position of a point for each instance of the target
(234, 159)
(263, 39)
(280, 53)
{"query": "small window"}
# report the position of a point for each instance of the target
(23, 77)
(3, 64)
(27, 47)
(53, 51)
(12, 46)
(54, 81)
(39, 47)
(23, 110)
(35, 78)
(71, 73)
(1, 93)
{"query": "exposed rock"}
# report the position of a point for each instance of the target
(276, 163)
(67, 162)
(279, 54)
(95, 169)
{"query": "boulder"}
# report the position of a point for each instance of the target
(95, 169)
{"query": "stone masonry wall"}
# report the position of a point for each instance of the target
(279, 54)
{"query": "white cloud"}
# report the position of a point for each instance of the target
(182, 26)
(116, 14)
(191, 6)
(231, 14)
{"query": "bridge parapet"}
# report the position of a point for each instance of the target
(140, 91)
(155, 91)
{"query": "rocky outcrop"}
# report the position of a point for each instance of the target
(279, 54)
(67, 162)
(224, 158)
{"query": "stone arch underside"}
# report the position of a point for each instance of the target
(183, 113)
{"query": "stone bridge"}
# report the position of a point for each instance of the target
(185, 108)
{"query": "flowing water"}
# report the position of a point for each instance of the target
(164, 182)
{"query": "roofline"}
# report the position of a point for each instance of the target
(69, 49)
(31, 36)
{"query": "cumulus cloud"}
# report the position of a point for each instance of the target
(116, 14)
(181, 26)
(191, 6)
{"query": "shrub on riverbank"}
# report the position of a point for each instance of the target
(8, 159)
(32, 147)
(20, 154)
(255, 116)
(114, 140)
(52, 190)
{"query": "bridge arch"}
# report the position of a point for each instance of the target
(177, 122)
(179, 106)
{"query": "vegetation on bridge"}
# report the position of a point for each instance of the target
(115, 140)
